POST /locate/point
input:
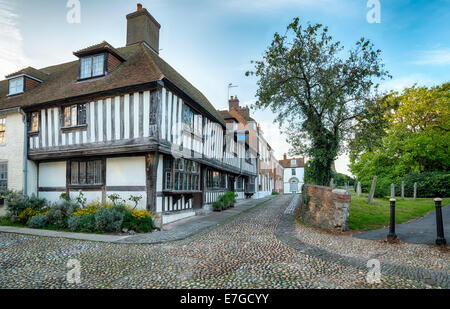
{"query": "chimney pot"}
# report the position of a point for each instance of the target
(143, 28)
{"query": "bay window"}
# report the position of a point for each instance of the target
(186, 175)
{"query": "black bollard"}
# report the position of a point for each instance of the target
(391, 234)
(440, 240)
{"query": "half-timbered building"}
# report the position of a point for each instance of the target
(123, 121)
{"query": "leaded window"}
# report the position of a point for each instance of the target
(87, 172)
(74, 115)
(2, 129)
(34, 122)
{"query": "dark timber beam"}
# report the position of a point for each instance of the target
(151, 163)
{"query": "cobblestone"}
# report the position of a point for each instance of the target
(246, 252)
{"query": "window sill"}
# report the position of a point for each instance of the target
(15, 94)
(93, 78)
(74, 128)
(33, 133)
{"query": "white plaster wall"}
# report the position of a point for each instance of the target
(12, 151)
(299, 174)
(89, 195)
(126, 195)
(52, 174)
(32, 175)
(50, 196)
(126, 171)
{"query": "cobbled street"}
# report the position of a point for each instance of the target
(241, 253)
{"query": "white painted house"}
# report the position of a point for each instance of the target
(294, 174)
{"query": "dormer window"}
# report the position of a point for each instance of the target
(16, 85)
(92, 66)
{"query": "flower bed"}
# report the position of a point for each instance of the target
(76, 214)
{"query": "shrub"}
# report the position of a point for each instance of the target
(74, 223)
(25, 216)
(275, 193)
(138, 224)
(17, 203)
(429, 184)
(87, 223)
(60, 212)
(107, 220)
(38, 222)
(218, 206)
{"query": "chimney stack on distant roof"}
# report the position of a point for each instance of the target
(233, 103)
(285, 156)
(143, 27)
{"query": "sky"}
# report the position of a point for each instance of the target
(212, 42)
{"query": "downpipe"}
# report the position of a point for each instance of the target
(25, 152)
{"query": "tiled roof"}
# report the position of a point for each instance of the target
(30, 71)
(141, 66)
(105, 46)
(287, 163)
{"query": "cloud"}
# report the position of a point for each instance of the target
(437, 57)
(12, 57)
(398, 84)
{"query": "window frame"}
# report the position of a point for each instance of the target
(14, 79)
(2, 131)
(91, 58)
(184, 175)
(33, 116)
(86, 163)
(72, 118)
(4, 175)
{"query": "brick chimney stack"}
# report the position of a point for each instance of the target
(143, 27)
(285, 157)
(233, 103)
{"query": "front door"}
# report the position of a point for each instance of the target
(294, 186)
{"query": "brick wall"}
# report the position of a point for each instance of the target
(113, 62)
(325, 207)
(30, 83)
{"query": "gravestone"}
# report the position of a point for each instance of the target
(403, 190)
(372, 190)
(392, 190)
(415, 190)
(358, 189)
(332, 183)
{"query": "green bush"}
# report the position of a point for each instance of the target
(87, 223)
(430, 184)
(60, 212)
(275, 193)
(108, 220)
(38, 222)
(139, 225)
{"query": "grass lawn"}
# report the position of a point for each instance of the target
(365, 217)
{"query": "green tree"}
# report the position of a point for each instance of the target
(315, 92)
(413, 135)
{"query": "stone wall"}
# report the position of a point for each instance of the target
(325, 207)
